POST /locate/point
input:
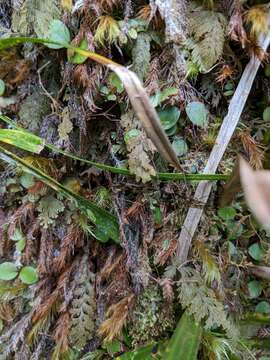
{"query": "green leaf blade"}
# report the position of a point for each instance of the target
(22, 139)
(185, 341)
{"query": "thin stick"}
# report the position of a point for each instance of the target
(224, 136)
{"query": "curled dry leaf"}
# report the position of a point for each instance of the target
(256, 186)
(146, 113)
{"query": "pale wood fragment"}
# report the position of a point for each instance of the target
(224, 136)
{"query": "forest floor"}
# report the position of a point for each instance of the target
(97, 177)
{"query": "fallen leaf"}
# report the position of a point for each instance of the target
(256, 186)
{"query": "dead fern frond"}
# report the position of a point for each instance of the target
(108, 4)
(116, 318)
(37, 329)
(45, 258)
(6, 311)
(89, 78)
(107, 31)
(31, 247)
(9, 292)
(210, 269)
(48, 308)
(20, 216)
(164, 245)
(167, 289)
(145, 13)
(61, 337)
(225, 73)
(110, 266)
(73, 239)
(258, 18)
(254, 49)
(252, 148)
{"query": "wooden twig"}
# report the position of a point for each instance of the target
(225, 133)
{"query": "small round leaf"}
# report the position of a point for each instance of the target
(263, 307)
(197, 113)
(254, 288)
(28, 275)
(256, 252)
(8, 271)
(59, 33)
(227, 213)
(169, 117)
(180, 146)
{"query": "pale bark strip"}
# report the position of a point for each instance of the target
(225, 133)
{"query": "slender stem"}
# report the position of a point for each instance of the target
(122, 171)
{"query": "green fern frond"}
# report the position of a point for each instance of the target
(207, 37)
(201, 302)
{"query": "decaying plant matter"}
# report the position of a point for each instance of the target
(112, 113)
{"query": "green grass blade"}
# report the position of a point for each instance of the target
(22, 139)
(106, 225)
(186, 339)
(122, 171)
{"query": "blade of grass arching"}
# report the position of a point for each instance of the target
(105, 223)
(185, 341)
(11, 139)
(140, 101)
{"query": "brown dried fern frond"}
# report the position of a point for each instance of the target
(89, 78)
(110, 266)
(109, 4)
(45, 258)
(226, 72)
(37, 329)
(72, 240)
(254, 151)
(61, 337)
(164, 245)
(167, 289)
(20, 216)
(254, 49)
(117, 315)
(145, 13)
(6, 311)
(31, 246)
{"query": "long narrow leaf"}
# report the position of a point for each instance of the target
(186, 339)
(106, 224)
(112, 169)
